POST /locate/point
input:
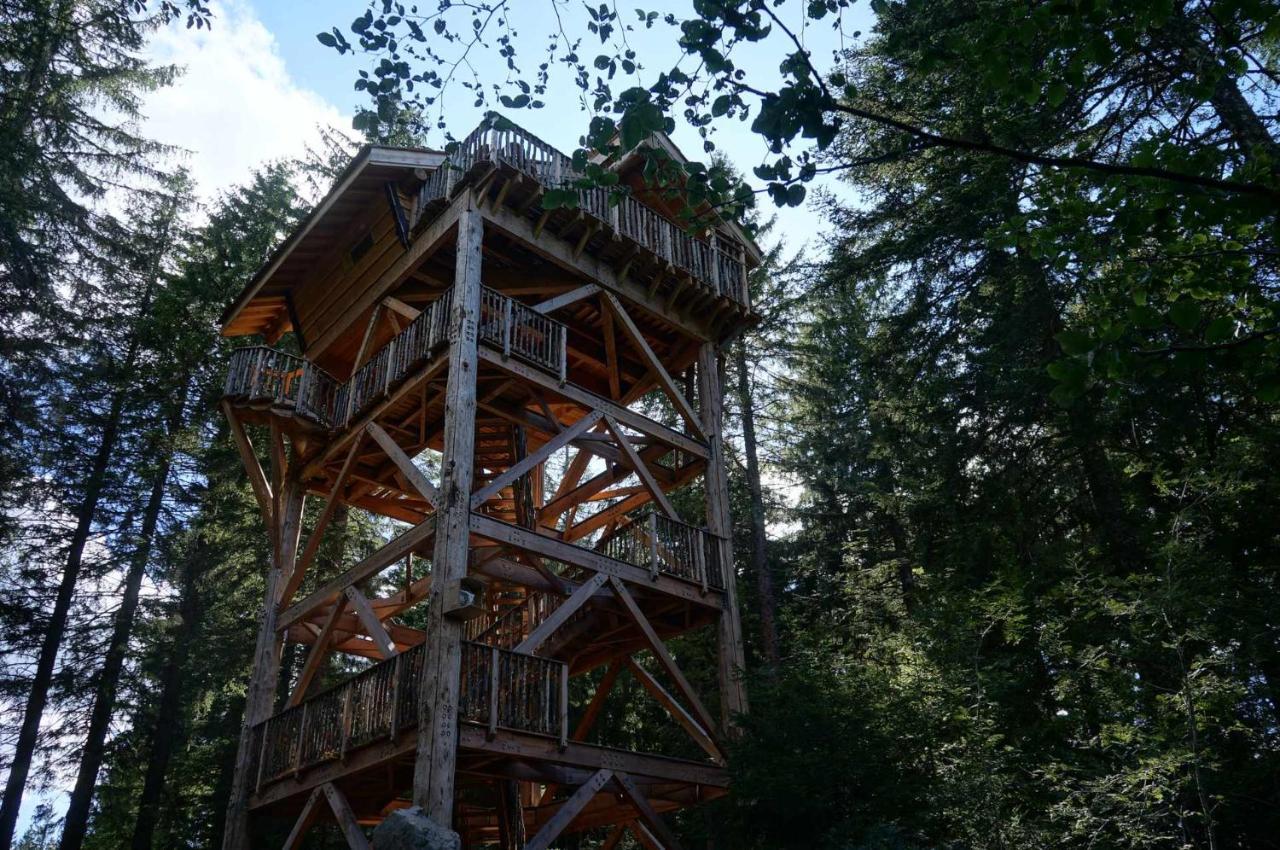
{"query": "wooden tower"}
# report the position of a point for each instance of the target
(516, 389)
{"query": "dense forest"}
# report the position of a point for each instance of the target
(1004, 451)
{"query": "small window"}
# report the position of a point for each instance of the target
(361, 248)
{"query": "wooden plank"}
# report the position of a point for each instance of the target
(346, 818)
(435, 766)
(562, 614)
(569, 810)
(640, 468)
(386, 646)
(548, 448)
(384, 557)
(686, 720)
(571, 297)
(423, 246)
(304, 821)
(257, 479)
(659, 650)
(405, 464)
(651, 819)
(317, 532)
(669, 386)
(591, 401)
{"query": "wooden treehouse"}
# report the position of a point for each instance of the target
(443, 313)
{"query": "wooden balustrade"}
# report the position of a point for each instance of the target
(661, 544)
(499, 689)
(715, 263)
(259, 374)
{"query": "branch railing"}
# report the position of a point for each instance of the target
(715, 263)
(499, 689)
(669, 546)
(258, 374)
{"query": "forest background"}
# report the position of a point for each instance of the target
(1004, 446)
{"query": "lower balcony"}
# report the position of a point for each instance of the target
(500, 690)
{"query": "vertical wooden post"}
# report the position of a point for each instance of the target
(260, 696)
(733, 694)
(433, 776)
(495, 686)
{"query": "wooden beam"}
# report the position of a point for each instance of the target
(548, 448)
(398, 306)
(597, 700)
(651, 819)
(434, 769)
(319, 650)
(560, 252)
(393, 551)
(567, 553)
(686, 720)
(405, 464)
(386, 646)
(346, 818)
(669, 386)
(731, 654)
(614, 836)
(611, 354)
(660, 652)
(591, 401)
(571, 297)
(569, 810)
(307, 817)
(562, 614)
(317, 532)
(257, 478)
(641, 468)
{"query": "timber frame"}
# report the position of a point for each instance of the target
(482, 373)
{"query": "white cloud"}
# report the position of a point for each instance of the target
(235, 107)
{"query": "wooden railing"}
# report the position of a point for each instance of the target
(665, 545)
(508, 629)
(498, 688)
(260, 374)
(716, 263)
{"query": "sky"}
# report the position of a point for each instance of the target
(257, 86)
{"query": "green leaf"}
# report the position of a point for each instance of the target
(1185, 313)
(326, 39)
(1075, 342)
(1219, 330)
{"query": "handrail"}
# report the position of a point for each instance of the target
(666, 545)
(715, 264)
(262, 374)
(497, 688)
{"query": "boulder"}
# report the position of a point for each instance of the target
(412, 829)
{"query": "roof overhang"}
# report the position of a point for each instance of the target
(265, 304)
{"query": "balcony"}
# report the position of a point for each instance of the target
(259, 375)
(499, 689)
(715, 264)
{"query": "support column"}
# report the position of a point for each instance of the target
(733, 694)
(433, 773)
(260, 696)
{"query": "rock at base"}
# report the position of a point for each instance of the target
(412, 829)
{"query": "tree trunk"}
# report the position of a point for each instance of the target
(164, 733)
(104, 700)
(29, 734)
(759, 541)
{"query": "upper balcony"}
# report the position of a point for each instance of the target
(712, 261)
